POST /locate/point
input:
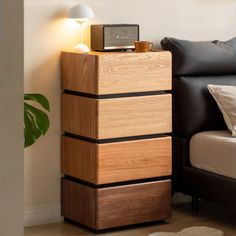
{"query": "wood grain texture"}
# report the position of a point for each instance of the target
(79, 115)
(79, 159)
(79, 72)
(116, 117)
(134, 72)
(133, 116)
(119, 72)
(116, 162)
(132, 160)
(78, 203)
(102, 208)
(132, 204)
(114, 73)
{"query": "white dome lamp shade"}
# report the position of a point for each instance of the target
(81, 13)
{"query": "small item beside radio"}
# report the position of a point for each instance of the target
(143, 46)
(114, 37)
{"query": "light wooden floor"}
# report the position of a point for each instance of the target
(209, 215)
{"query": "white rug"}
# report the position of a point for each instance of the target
(193, 231)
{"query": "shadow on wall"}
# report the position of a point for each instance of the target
(44, 155)
(42, 75)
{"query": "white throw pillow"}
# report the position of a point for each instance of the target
(225, 97)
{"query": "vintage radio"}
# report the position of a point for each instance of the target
(114, 37)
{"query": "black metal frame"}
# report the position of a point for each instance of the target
(199, 183)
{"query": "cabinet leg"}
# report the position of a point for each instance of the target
(195, 204)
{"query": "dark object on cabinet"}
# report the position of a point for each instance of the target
(114, 37)
(196, 64)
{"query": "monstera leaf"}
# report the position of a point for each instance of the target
(36, 120)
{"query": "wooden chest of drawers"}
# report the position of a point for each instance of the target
(116, 151)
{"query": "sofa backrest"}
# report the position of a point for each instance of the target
(195, 65)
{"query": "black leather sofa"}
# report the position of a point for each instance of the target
(195, 65)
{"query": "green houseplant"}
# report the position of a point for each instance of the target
(36, 121)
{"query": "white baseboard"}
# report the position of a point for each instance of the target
(40, 215)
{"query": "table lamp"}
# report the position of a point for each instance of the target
(81, 13)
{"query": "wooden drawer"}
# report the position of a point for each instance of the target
(112, 73)
(116, 162)
(102, 208)
(116, 117)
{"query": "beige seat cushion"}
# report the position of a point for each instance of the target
(214, 151)
(225, 97)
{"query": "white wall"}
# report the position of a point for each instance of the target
(47, 33)
(11, 117)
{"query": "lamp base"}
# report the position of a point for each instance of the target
(81, 48)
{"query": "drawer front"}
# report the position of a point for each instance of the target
(114, 73)
(132, 204)
(132, 72)
(116, 117)
(116, 162)
(103, 208)
(134, 116)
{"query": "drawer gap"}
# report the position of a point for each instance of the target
(115, 140)
(118, 95)
(123, 183)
